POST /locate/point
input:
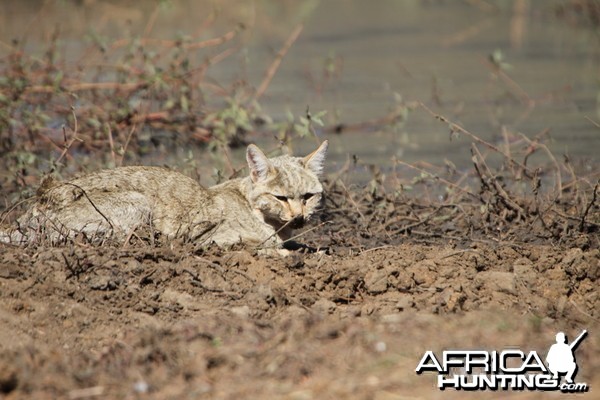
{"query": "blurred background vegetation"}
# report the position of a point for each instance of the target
(94, 83)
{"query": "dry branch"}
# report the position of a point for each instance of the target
(589, 206)
(178, 43)
(490, 181)
(278, 58)
(86, 86)
(457, 128)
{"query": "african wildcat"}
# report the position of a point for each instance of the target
(280, 194)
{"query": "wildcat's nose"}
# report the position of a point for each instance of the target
(297, 222)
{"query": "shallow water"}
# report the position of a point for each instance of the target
(435, 52)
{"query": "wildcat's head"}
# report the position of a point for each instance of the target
(286, 190)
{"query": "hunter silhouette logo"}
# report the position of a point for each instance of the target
(561, 358)
(509, 369)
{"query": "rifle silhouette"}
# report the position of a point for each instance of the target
(579, 338)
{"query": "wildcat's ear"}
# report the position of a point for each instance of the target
(314, 161)
(259, 164)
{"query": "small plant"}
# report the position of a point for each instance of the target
(230, 124)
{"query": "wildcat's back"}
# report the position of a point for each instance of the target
(279, 195)
(113, 201)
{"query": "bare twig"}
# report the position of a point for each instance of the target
(304, 232)
(92, 203)
(85, 86)
(175, 43)
(558, 179)
(86, 393)
(587, 314)
(68, 145)
(278, 58)
(514, 86)
(225, 150)
(111, 144)
(349, 195)
(422, 221)
(467, 33)
(592, 121)
(5, 213)
(152, 20)
(375, 249)
(345, 168)
(458, 252)
(438, 178)
(274, 234)
(491, 182)
(589, 206)
(198, 73)
(477, 139)
(131, 131)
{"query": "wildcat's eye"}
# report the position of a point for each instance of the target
(307, 196)
(281, 198)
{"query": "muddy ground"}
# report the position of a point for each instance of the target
(391, 277)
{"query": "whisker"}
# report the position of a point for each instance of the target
(274, 233)
(306, 231)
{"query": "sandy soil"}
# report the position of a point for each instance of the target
(352, 320)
